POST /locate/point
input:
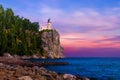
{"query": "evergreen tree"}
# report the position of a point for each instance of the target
(18, 35)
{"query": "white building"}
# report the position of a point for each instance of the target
(48, 26)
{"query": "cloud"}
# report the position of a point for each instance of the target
(112, 39)
(80, 20)
(75, 39)
(86, 41)
(83, 20)
(46, 11)
(81, 27)
(117, 38)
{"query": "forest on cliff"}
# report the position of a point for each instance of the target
(18, 35)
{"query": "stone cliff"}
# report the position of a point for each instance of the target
(50, 44)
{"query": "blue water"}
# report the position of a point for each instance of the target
(100, 68)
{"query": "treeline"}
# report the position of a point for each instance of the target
(18, 35)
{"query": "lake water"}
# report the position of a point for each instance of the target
(100, 68)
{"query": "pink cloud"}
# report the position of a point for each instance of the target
(84, 41)
(87, 18)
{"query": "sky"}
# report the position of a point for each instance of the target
(87, 28)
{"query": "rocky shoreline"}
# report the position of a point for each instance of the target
(19, 69)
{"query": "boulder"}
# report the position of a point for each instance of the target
(42, 78)
(16, 56)
(1, 64)
(36, 67)
(7, 55)
(25, 78)
(35, 56)
(69, 77)
(25, 57)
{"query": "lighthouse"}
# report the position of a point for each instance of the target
(48, 26)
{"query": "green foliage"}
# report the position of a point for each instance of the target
(18, 35)
(47, 30)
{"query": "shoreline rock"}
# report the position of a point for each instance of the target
(18, 69)
(34, 56)
(16, 72)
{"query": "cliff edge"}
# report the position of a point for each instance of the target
(50, 44)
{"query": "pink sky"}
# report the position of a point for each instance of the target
(87, 28)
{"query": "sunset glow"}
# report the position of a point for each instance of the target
(87, 29)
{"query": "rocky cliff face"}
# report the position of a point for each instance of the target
(51, 44)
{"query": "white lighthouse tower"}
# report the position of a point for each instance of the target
(48, 26)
